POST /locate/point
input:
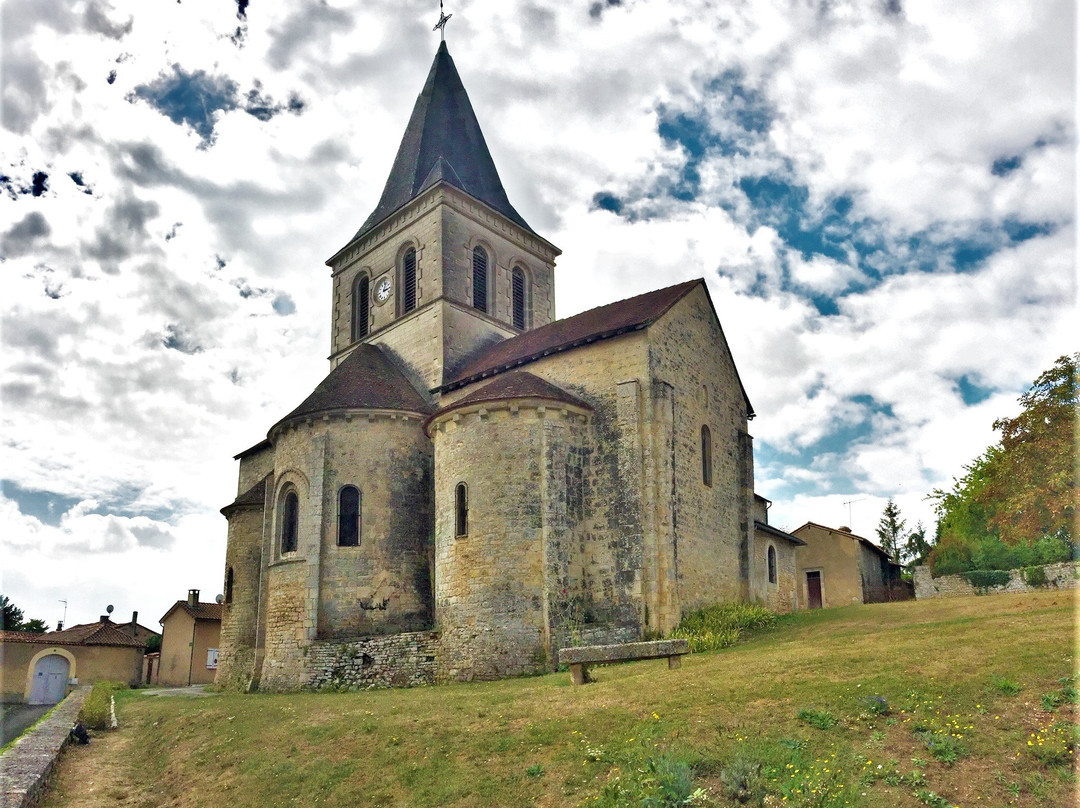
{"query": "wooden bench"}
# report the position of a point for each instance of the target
(580, 657)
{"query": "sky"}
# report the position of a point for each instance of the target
(880, 196)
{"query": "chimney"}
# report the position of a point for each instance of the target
(104, 618)
(193, 597)
(59, 625)
(134, 622)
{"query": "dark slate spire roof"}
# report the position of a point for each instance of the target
(366, 380)
(442, 142)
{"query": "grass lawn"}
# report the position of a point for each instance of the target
(965, 701)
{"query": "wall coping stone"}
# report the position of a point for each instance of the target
(28, 764)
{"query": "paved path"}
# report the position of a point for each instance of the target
(15, 718)
(193, 690)
(26, 765)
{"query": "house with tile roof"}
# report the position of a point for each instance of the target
(190, 640)
(835, 567)
(477, 483)
(42, 668)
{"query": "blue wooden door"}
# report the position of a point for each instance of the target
(50, 680)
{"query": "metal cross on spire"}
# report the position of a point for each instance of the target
(440, 26)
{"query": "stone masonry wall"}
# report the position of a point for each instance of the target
(239, 617)
(1058, 576)
(398, 660)
(711, 524)
(284, 665)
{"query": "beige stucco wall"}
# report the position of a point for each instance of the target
(91, 663)
(837, 556)
(184, 643)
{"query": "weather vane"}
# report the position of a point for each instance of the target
(440, 26)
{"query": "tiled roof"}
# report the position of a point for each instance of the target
(90, 634)
(365, 379)
(518, 384)
(847, 533)
(600, 323)
(256, 495)
(200, 611)
(18, 636)
(442, 142)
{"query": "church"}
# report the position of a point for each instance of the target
(476, 484)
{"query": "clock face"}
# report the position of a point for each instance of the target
(382, 290)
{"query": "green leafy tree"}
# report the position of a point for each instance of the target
(10, 615)
(916, 547)
(34, 626)
(890, 530)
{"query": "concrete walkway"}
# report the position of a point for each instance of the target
(25, 767)
(192, 691)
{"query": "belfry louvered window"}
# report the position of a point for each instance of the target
(361, 307)
(518, 295)
(409, 278)
(349, 517)
(290, 522)
(480, 279)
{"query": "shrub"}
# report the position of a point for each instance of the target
(1035, 576)
(983, 580)
(1005, 685)
(1052, 550)
(875, 705)
(743, 782)
(722, 624)
(659, 780)
(942, 745)
(96, 712)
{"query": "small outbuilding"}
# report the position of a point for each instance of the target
(190, 638)
(774, 561)
(836, 567)
(41, 668)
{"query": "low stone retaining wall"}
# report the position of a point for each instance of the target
(26, 766)
(1058, 576)
(396, 660)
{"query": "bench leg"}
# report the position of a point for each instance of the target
(577, 674)
(674, 662)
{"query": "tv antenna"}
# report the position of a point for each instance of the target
(849, 503)
(440, 26)
(64, 621)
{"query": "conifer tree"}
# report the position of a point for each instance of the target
(890, 530)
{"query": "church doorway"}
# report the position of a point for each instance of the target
(50, 680)
(813, 589)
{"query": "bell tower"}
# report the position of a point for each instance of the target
(444, 266)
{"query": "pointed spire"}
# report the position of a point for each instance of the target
(442, 142)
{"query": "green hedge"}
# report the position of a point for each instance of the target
(987, 579)
(96, 712)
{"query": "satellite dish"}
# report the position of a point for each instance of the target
(219, 599)
(109, 608)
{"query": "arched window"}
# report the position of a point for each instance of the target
(228, 584)
(461, 510)
(772, 565)
(348, 526)
(518, 297)
(290, 522)
(408, 276)
(480, 279)
(361, 307)
(706, 456)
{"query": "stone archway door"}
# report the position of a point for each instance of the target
(50, 680)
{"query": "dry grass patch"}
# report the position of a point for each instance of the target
(722, 730)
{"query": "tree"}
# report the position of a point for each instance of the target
(1032, 486)
(890, 530)
(11, 618)
(10, 615)
(916, 548)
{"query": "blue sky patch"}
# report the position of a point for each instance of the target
(1003, 166)
(604, 200)
(971, 392)
(45, 506)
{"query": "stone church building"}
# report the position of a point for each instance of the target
(477, 484)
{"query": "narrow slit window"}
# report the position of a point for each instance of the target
(461, 510)
(480, 279)
(349, 517)
(706, 456)
(290, 519)
(518, 293)
(772, 565)
(361, 307)
(228, 584)
(409, 273)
